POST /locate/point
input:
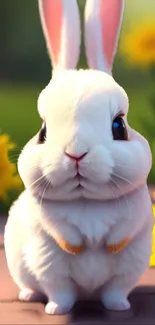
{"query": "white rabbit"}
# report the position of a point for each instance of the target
(84, 222)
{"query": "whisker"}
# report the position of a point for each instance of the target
(45, 188)
(37, 180)
(36, 187)
(115, 195)
(126, 167)
(125, 180)
(123, 195)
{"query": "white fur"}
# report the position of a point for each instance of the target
(80, 120)
(99, 202)
(97, 211)
(34, 258)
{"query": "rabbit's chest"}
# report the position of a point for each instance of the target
(92, 219)
(94, 230)
(91, 269)
(94, 223)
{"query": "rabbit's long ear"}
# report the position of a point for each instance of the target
(61, 26)
(103, 19)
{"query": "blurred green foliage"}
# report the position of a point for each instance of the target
(25, 69)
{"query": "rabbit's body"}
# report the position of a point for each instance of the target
(34, 256)
(84, 222)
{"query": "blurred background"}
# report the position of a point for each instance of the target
(25, 70)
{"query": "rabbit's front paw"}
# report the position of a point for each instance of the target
(69, 239)
(69, 248)
(117, 247)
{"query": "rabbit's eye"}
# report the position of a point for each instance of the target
(42, 134)
(119, 129)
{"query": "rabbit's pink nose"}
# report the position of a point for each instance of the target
(75, 157)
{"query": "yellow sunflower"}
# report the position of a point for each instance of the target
(152, 259)
(138, 46)
(9, 179)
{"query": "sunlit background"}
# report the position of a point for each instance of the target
(25, 70)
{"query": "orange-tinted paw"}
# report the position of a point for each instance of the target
(71, 249)
(116, 248)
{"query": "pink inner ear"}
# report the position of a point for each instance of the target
(53, 13)
(110, 14)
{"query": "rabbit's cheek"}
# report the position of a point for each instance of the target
(97, 166)
(29, 165)
(132, 165)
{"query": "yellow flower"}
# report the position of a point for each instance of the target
(9, 180)
(138, 47)
(152, 259)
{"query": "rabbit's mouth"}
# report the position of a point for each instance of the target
(79, 177)
(80, 187)
(75, 183)
(81, 180)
